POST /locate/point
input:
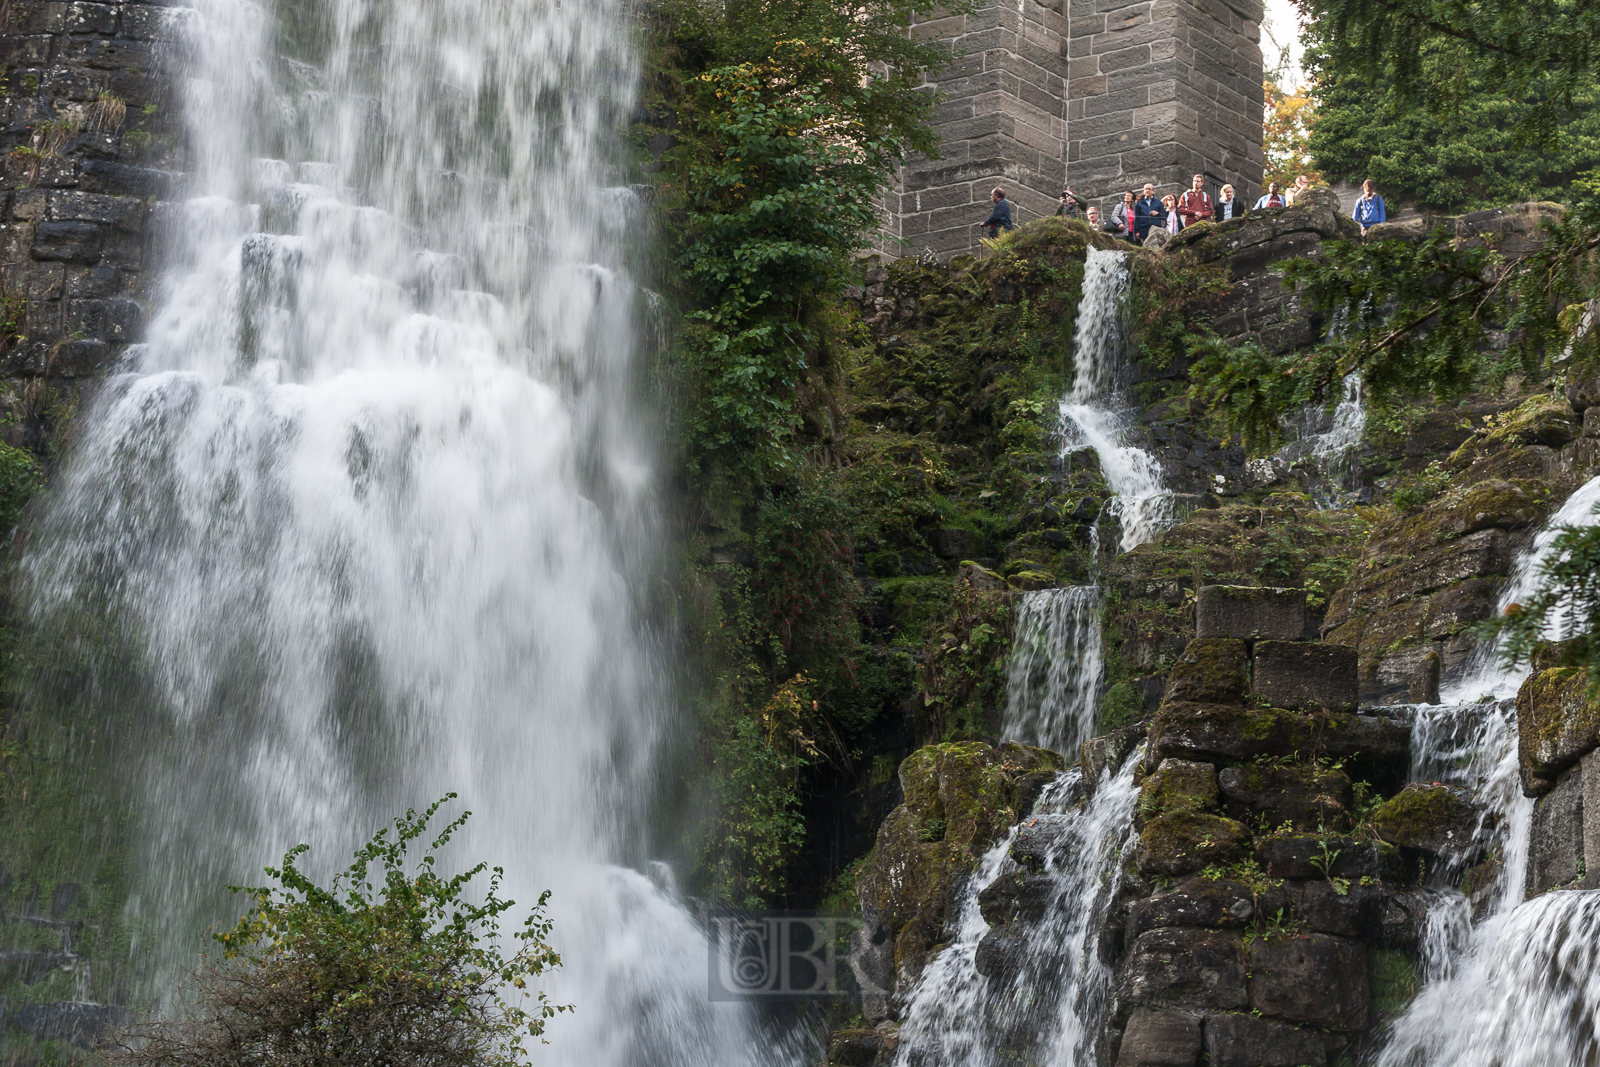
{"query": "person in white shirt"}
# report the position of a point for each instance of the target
(1229, 206)
(1271, 199)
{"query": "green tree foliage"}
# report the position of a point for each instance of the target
(21, 479)
(1523, 49)
(383, 967)
(1415, 315)
(1475, 154)
(794, 117)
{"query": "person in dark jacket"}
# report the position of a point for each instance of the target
(1000, 217)
(1071, 205)
(1147, 212)
(1369, 209)
(1229, 206)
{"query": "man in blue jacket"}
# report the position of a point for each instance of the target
(1369, 209)
(1001, 215)
(1148, 212)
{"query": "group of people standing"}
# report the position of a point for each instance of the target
(1136, 216)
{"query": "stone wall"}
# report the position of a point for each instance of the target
(88, 148)
(1098, 95)
(1001, 121)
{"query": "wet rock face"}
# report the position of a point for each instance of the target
(1312, 979)
(1220, 733)
(1160, 1039)
(1187, 842)
(1184, 968)
(1210, 669)
(1177, 786)
(959, 800)
(1201, 902)
(1246, 1041)
(1307, 796)
(79, 1023)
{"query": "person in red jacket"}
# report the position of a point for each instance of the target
(1195, 205)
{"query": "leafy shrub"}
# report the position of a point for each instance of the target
(404, 975)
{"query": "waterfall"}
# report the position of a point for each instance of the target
(1326, 444)
(1049, 1005)
(1053, 676)
(1053, 671)
(1485, 677)
(1099, 414)
(368, 517)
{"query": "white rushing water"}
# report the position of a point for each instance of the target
(1049, 1006)
(1099, 412)
(1486, 676)
(1054, 667)
(367, 516)
(1325, 446)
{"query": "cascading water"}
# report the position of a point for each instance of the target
(1049, 1004)
(1486, 676)
(1098, 413)
(1056, 661)
(365, 519)
(1519, 988)
(1325, 446)
(1053, 670)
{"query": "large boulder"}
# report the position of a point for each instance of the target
(1212, 670)
(1201, 902)
(1308, 795)
(1312, 979)
(1556, 724)
(1250, 613)
(1178, 967)
(1556, 854)
(959, 800)
(1186, 842)
(1217, 733)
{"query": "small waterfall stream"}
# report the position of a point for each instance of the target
(1325, 446)
(1485, 676)
(1520, 988)
(1099, 413)
(1046, 1002)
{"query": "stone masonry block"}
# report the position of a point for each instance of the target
(1305, 674)
(1246, 1041)
(1557, 724)
(1183, 968)
(1313, 979)
(1253, 613)
(1555, 844)
(1160, 1039)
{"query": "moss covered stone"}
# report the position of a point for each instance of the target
(960, 798)
(1308, 796)
(1557, 722)
(1211, 670)
(1438, 819)
(1186, 842)
(1177, 786)
(1220, 733)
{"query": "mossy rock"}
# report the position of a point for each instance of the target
(1177, 787)
(1307, 796)
(1211, 670)
(1557, 722)
(1185, 842)
(1440, 820)
(960, 798)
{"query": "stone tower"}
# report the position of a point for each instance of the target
(1098, 95)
